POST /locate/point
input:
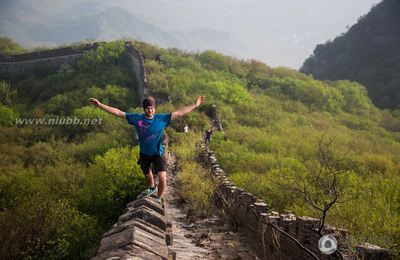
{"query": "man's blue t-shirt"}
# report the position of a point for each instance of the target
(150, 131)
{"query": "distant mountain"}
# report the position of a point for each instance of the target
(112, 23)
(90, 21)
(368, 53)
(280, 33)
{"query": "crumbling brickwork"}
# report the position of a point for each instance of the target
(142, 231)
(14, 65)
(282, 236)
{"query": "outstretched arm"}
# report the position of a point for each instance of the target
(185, 110)
(112, 110)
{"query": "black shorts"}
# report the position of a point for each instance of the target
(159, 163)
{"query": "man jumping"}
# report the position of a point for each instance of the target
(150, 129)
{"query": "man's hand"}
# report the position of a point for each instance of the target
(94, 102)
(112, 110)
(184, 110)
(199, 100)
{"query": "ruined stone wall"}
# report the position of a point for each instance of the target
(142, 232)
(282, 236)
(135, 58)
(14, 65)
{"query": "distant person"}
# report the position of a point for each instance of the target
(207, 135)
(150, 128)
(186, 128)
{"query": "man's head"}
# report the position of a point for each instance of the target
(149, 106)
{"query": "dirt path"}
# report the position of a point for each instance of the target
(208, 238)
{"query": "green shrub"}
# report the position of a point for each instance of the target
(356, 99)
(7, 95)
(42, 228)
(196, 187)
(113, 180)
(93, 144)
(7, 116)
(10, 47)
(105, 53)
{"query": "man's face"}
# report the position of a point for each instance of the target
(150, 111)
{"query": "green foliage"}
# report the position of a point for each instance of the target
(264, 186)
(367, 53)
(212, 60)
(272, 117)
(105, 53)
(277, 131)
(49, 172)
(112, 181)
(7, 95)
(153, 66)
(10, 47)
(92, 145)
(63, 180)
(58, 104)
(64, 104)
(310, 92)
(149, 51)
(7, 116)
(158, 85)
(40, 154)
(181, 61)
(112, 95)
(355, 96)
(373, 214)
(41, 228)
(229, 92)
(16, 184)
(184, 145)
(196, 186)
(41, 69)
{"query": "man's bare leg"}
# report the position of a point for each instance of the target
(150, 179)
(162, 182)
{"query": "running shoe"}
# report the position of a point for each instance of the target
(150, 191)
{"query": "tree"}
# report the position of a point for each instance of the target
(7, 95)
(322, 185)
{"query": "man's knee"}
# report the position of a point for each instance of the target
(147, 172)
(162, 176)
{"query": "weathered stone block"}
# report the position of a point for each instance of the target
(145, 214)
(135, 237)
(372, 252)
(138, 223)
(260, 207)
(122, 254)
(247, 198)
(148, 202)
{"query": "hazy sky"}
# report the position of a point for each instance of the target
(277, 32)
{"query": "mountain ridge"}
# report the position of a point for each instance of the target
(368, 53)
(262, 30)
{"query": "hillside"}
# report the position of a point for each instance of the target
(34, 23)
(368, 53)
(254, 29)
(274, 121)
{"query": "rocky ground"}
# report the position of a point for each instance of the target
(208, 238)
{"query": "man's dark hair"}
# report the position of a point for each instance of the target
(149, 101)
